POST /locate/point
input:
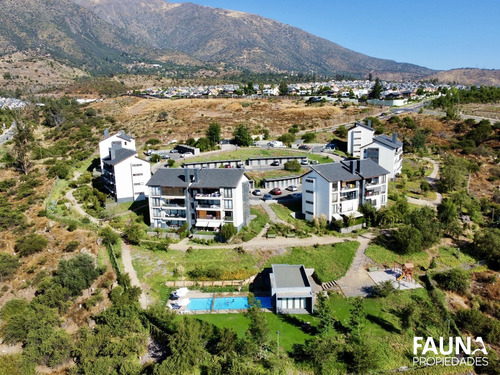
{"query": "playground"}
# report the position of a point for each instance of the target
(401, 276)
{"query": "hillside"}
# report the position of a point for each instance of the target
(469, 76)
(240, 39)
(66, 32)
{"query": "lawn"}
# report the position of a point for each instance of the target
(381, 255)
(451, 257)
(330, 262)
(289, 326)
(255, 226)
(283, 212)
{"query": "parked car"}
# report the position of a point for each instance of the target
(292, 188)
(174, 151)
(330, 146)
(267, 197)
(275, 163)
(227, 166)
(313, 162)
(165, 156)
(304, 162)
(276, 191)
(304, 147)
(257, 192)
(188, 153)
(297, 195)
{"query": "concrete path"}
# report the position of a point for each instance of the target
(432, 180)
(357, 282)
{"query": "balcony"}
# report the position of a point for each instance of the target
(349, 186)
(179, 204)
(204, 194)
(208, 206)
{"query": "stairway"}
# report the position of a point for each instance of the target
(329, 285)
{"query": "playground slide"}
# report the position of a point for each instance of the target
(401, 277)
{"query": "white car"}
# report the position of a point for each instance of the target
(292, 188)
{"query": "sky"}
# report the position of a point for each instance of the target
(437, 34)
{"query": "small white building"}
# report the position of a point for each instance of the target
(291, 291)
(119, 139)
(125, 175)
(387, 152)
(205, 199)
(337, 189)
(358, 136)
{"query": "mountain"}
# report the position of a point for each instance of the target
(240, 39)
(468, 76)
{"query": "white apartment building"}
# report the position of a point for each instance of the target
(386, 152)
(125, 175)
(358, 136)
(205, 199)
(337, 189)
(119, 139)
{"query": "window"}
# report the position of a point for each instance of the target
(156, 212)
(309, 202)
(138, 183)
(309, 191)
(228, 193)
(228, 204)
(136, 174)
(156, 201)
(136, 165)
(309, 213)
(309, 181)
(155, 190)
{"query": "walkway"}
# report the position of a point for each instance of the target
(129, 268)
(432, 180)
(356, 281)
(78, 208)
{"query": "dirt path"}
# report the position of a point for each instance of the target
(129, 268)
(432, 180)
(74, 204)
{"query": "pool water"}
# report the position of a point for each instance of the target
(226, 303)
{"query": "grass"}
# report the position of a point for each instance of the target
(450, 257)
(255, 226)
(289, 327)
(330, 262)
(283, 212)
(381, 255)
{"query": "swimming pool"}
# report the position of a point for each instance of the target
(226, 303)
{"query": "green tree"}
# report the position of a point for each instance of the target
(341, 131)
(407, 239)
(213, 133)
(287, 139)
(453, 174)
(76, 274)
(134, 233)
(109, 237)
(448, 214)
(204, 144)
(292, 166)
(242, 136)
(227, 231)
(155, 158)
(357, 319)
(325, 315)
(8, 266)
(309, 137)
(258, 329)
(376, 90)
(283, 88)
(424, 219)
(487, 245)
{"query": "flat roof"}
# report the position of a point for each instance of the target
(290, 276)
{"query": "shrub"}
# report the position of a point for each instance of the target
(71, 246)
(8, 266)
(134, 233)
(227, 231)
(155, 158)
(383, 289)
(76, 274)
(456, 280)
(30, 244)
(108, 236)
(292, 166)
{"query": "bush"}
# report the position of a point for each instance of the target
(134, 233)
(71, 246)
(30, 244)
(155, 158)
(227, 231)
(455, 280)
(109, 237)
(383, 289)
(76, 274)
(292, 166)
(8, 266)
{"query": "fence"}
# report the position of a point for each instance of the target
(202, 284)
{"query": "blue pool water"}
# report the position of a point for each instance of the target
(226, 303)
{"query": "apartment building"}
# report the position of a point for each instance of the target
(124, 174)
(385, 151)
(338, 189)
(358, 136)
(205, 199)
(119, 139)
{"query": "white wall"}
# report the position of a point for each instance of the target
(126, 190)
(105, 145)
(358, 137)
(321, 196)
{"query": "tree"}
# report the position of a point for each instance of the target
(213, 134)
(23, 139)
(76, 274)
(283, 88)
(258, 330)
(448, 214)
(453, 174)
(134, 233)
(266, 134)
(227, 231)
(357, 319)
(341, 131)
(155, 158)
(324, 313)
(109, 237)
(309, 137)
(242, 136)
(376, 90)
(419, 139)
(204, 144)
(487, 245)
(407, 239)
(292, 166)
(248, 89)
(287, 138)
(424, 219)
